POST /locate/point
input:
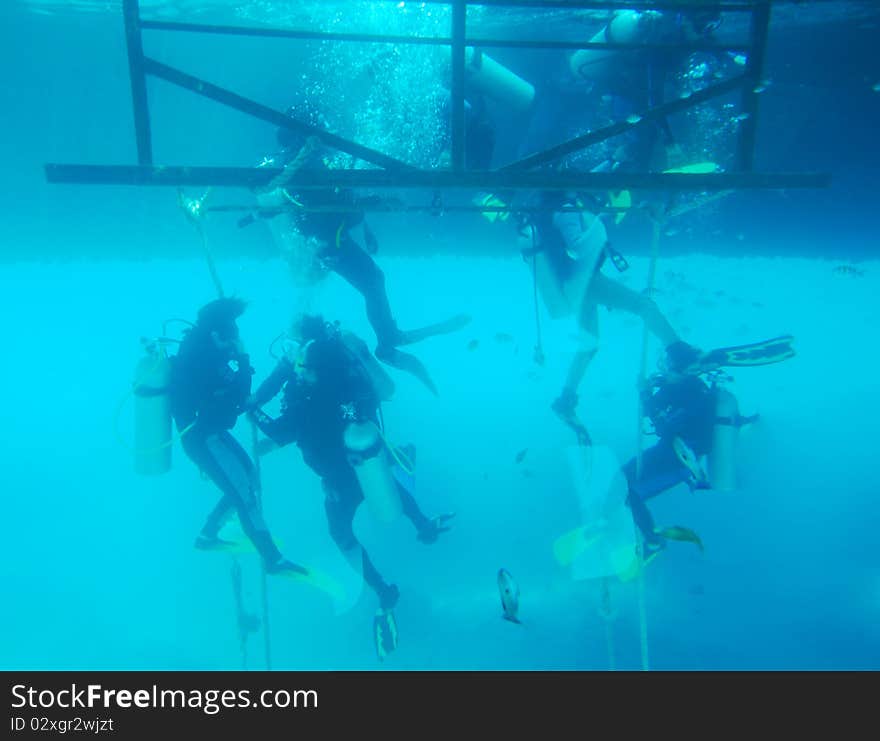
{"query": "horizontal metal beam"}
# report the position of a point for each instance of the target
(726, 5)
(607, 132)
(396, 206)
(264, 113)
(284, 33)
(254, 177)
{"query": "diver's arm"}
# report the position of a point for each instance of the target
(281, 431)
(269, 388)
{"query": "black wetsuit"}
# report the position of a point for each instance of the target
(314, 416)
(344, 256)
(684, 409)
(208, 391)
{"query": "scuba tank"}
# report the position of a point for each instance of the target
(722, 457)
(626, 27)
(152, 411)
(495, 81)
(369, 458)
(381, 382)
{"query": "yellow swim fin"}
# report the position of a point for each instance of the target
(567, 547)
(490, 200)
(696, 168)
(683, 534)
(320, 580)
(620, 199)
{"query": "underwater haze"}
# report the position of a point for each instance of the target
(100, 571)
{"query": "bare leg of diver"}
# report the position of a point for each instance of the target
(340, 505)
(615, 295)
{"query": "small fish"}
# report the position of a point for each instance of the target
(742, 117)
(473, 345)
(740, 59)
(684, 534)
(697, 590)
(761, 86)
(849, 270)
(519, 456)
(503, 337)
(876, 87)
(509, 591)
(633, 118)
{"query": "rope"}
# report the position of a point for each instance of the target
(649, 289)
(539, 349)
(193, 208)
(606, 613)
(212, 268)
(264, 587)
(239, 607)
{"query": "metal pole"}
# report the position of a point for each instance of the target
(251, 177)
(754, 70)
(378, 38)
(459, 17)
(131, 18)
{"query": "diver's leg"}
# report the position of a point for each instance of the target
(411, 509)
(230, 468)
(565, 405)
(216, 520)
(197, 452)
(365, 276)
(615, 295)
(343, 495)
(661, 470)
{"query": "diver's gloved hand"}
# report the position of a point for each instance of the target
(436, 525)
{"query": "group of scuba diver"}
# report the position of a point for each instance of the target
(332, 386)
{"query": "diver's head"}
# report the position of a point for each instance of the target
(679, 361)
(308, 330)
(218, 318)
(309, 327)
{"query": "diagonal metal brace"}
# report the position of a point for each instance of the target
(606, 132)
(264, 113)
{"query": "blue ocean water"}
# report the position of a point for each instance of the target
(100, 572)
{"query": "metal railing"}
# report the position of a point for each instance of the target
(396, 173)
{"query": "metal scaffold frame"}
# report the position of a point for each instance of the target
(394, 173)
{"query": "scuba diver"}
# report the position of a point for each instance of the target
(209, 384)
(693, 418)
(332, 390)
(685, 412)
(568, 250)
(599, 87)
(314, 215)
